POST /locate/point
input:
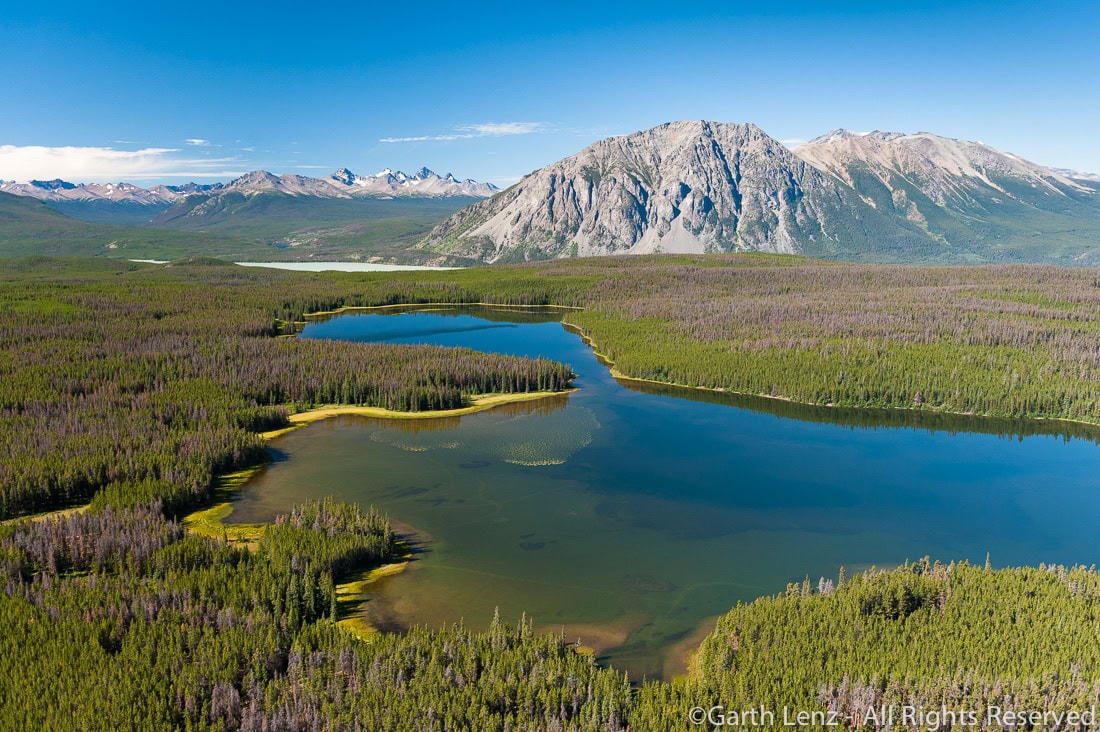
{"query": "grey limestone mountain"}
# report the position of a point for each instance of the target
(965, 194)
(706, 187)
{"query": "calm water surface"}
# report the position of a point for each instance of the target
(631, 515)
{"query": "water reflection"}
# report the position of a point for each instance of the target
(630, 513)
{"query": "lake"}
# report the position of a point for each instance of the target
(630, 515)
(324, 266)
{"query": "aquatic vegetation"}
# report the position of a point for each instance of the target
(549, 440)
(418, 442)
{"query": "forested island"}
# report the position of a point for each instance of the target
(128, 388)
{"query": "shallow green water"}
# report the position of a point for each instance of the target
(632, 515)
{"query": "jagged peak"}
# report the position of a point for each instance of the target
(253, 177)
(838, 134)
(53, 185)
(344, 175)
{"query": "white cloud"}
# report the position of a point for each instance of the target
(494, 129)
(101, 164)
(197, 142)
(470, 132)
(793, 142)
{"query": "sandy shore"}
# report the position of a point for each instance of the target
(478, 403)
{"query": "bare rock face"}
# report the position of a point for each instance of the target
(708, 187)
(949, 172)
(680, 187)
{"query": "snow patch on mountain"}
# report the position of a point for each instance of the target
(341, 184)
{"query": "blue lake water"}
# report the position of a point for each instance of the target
(631, 514)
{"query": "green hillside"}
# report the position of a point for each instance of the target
(300, 227)
(29, 227)
(265, 227)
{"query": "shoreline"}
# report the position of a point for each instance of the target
(479, 403)
(615, 373)
(59, 513)
(398, 306)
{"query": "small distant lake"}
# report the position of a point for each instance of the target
(340, 266)
(323, 266)
(632, 515)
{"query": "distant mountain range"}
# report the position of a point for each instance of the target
(343, 183)
(708, 187)
(680, 187)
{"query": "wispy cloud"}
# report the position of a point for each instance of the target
(793, 142)
(470, 132)
(101, 164)
(197, 142)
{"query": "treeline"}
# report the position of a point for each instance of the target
(91, 349)
(1002, 341)
(183, 632)
(135, 385)
(935, 637)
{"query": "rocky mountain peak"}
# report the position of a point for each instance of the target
(701, 186)
(343, 176)
(53, 185)
(687, 186)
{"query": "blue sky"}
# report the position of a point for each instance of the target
(153, 92)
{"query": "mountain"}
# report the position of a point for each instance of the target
(341, 184)
(368, 230)
(342, 215)
(1078, 174)
(950, 172)
(704, 186)
(59, 190)
(423, 182)
(965, 194)
(30, 227)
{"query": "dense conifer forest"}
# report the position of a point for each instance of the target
(131, 386)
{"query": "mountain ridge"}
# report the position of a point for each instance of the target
(699, 186)
(341, 184)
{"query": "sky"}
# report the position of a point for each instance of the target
(167, 93)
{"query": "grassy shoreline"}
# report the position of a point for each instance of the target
(479, 403)
(210, 519)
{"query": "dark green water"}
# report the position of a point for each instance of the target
(632, 515)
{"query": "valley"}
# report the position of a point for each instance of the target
(542, 367)
(681, 187)
(580, 509)
(577, 503)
